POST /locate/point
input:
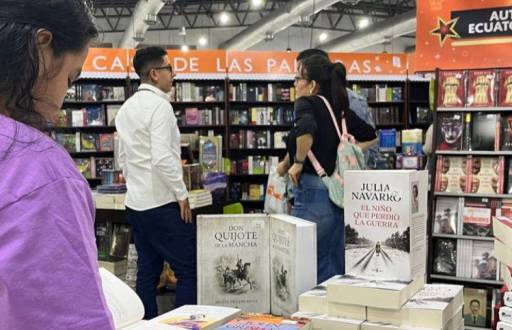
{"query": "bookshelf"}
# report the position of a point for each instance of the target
(471, 181)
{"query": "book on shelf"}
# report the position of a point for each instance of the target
(95, 116)
(485, 265)
(263, 139)
(445, 256)
(450, 131)
(127, 310)
(451, 174)
(485, 131)
(84, 166)
(210, 153)
(385, 224)
(113, 93)
(380, 294)
(89, 92)
(486, 175)
(192, 92)
(475, 301)
(446, 215)
(112, 110)
(89, 141)
(451, 89)
(477, 216)
(106, 142)
(481, 88)
(506, 132)
(280, 140)
(505, 88)
(388, 139)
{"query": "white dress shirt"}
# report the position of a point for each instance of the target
(150, 150)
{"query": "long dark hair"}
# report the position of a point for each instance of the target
(70, 22)
(331, 78)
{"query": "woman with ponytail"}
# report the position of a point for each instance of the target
(49, 276)
(314, 130)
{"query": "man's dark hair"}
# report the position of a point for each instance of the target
(69, 21)
(310, 52)
(147, 58)
(475, 300)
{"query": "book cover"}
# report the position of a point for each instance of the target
(95, 116)
(481, 88)
(485, 265)
(446, 216)
(451, 174)
(475, 302)
(477, 216)
(385, 224)
(262, 139)
(112, 111)
(68, 141)
(483, 132)
(280, 140)
(121, 237)
(234, 255)
(78, 118)
(451, 89)
(196, 317)
(89, 141)
(210, 153)
(293, 261)
(265, 322)
(445, 256)
(192, 116)
(486, 175)
(106, 142)
(450, 131)
(102, 164)
(505, 89)
(91, 92)
(506, 133)
(84, 167)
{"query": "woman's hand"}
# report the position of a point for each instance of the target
(294, 173)
(282, 167)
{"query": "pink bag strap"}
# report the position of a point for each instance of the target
(343, 137)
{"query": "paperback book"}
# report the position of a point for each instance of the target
(450, 131)
(485, 131)
(475, 314)
(486, 175)
(451, 89)
(505, 89)
(445, 256)
(446, 216)
(481, 88)
(451, 174)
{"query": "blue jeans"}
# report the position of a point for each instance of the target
(311, 202)
(159, 235)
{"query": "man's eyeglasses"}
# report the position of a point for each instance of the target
(166, 67)
(297, 78)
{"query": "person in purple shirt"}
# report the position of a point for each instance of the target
(49, 276)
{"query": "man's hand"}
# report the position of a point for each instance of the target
(186, 213)
(294, 173)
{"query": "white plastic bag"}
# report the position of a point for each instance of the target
(275, 196)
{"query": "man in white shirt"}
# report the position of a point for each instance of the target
(157, 198)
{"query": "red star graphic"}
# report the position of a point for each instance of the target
(445, 30)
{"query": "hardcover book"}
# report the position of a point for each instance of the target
(485, 131)
(89, 141)
(106, 142)
(293, 261)
(385, 217)
(451, 89)
(485, 265)
(210, 153)
(445, 256)
(95, 116)
(84, 166)
(505, 90)
(506, 133)
(475, 313)
(477, 215)
(450, 131)
(446, 216)
(486, 175)
(481, 88)
(451, 174)
(112, 111)
(234, 254)
(102, 164)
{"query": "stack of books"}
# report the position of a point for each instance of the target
(346, 302)
(502, 229)
(199, 198)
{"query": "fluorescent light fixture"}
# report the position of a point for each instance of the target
(202, 41)
(256, 3)
(322, 37)
(224, 17)
(363, 23)
(150, 19)
(138, 36)
(184, 48)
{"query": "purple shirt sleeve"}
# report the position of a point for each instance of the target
(49, 275)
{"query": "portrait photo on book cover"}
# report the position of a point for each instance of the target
(475, 306)
(415, 203)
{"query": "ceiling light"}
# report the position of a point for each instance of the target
(288, 50)
(150, 19)
(138, 36)
(363, 23)
(202, 41)
(322, 37)
(224, 17)
(304, 20)
(183, 31)
(269, 36)
(184, 48)
(256, 3)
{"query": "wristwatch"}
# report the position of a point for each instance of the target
(296, 161)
